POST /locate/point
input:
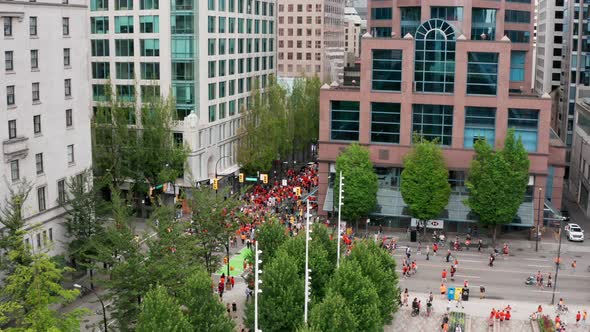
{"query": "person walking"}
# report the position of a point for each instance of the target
(427, 252)
(448, 255)
(479, 245)
(584, 316)
(482, 292)
(549, 282)
(406, 297)
(574, 264)
(434, 248)
(408, 252)
(444, 275)
(443, 290)
(452, 270)
(578, 317)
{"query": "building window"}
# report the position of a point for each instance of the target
(212, 93)
(517, 36)
(34, 59)
(149, 24)
(41, 199)
(66, 57)
(33, 25)
(99, 47)
(212, 113)
(10, 99)
(11, 129)
(126, 93)
(435, 57)
(381, 13)
(150, 47)
(433, 122)
(517, 60)
(68, 87)
(99, 92)
(39, 163)
(149, 4)
(125, 70)
(447, 13)
(65, 24)
(211, 70)
(36, 96)
(221, 25)
(7, 26)
(482, 73)
(211, 4)
(483, 24)
(51, 235)
(97, 5)
(150, 92)
(222, 111)
(525, 123)
(385, 122)
(123, 24)
(387, 70)
(480, 123)
(211, 24)
(345, 120)
(517, 16)
(61, 191)
(123, 47)
(71, 154)
(99, 25)
(150, 70)
(183, 71)
(101, 70)
(182, 24)
(14, 171)
(9, 60)
(178, 139)
(123, 4)
(37, 124)
(69, 118)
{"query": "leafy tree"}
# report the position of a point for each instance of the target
(303, 116)
(161, 312)
(321, 235)
(379, 267)
(205, 312)
(333, 314)
(270, 236)
(425, 180)
(360, 293)
(497, 181)
(360, 182)
(281, 302)
(11, 216)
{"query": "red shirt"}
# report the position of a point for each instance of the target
(444, 274)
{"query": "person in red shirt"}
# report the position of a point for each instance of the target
(502, 315)
(444, 275)
(498, 314)
(578, 317)
(507, 315)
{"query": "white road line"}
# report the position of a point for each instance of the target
(539, 265)
(535, 259)
(467, 277)
(545, 291)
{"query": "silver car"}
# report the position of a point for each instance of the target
(574, 232)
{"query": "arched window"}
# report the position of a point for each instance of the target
(435, 57)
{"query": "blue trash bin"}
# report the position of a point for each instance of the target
(451, 294)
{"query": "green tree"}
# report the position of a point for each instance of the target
(270, 236)
(360, 182)
(204, 311)
(425, 184)
(379, 267)
(333, 314)
(497, 182)
(161, 312)
(11, 216)
(360, 294)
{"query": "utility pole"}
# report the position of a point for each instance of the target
(558, 261)
(257, 281)
(539, 220)
(307, 270)
(340, 191)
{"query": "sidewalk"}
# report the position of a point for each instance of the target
(237, 295)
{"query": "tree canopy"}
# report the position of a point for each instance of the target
(360, 182)
(161, 312)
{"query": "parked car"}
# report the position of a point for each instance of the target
(574, 232)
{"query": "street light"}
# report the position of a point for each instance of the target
(539, 214)
(340, 191)
(558, 259)
(104, 311)
(307, 270)
(257, 281)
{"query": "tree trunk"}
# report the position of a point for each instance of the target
(92, 278)
(494, 236)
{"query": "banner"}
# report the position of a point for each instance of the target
(436, 224)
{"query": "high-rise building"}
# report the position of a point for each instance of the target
(354, 28)
(452, 73)
(549, 46)
(44, 111)
(311, 39)
(208, 54)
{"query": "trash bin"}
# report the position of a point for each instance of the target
(413, 236)
(458, 291)
(465, 296)
(451, 293)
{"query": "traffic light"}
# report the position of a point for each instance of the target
(298, 191)
(241, 177)
(264, 178)
(215, 184)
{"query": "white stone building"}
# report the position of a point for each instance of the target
(354, 28)
(549, 44)
(44, 109)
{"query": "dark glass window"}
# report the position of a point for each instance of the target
(517, 16)
(381, 32)
(387, 70)
(385, 122)
(433, 122)
(447, 13)
(410, 19)
(517, 60)
(517, 36)
(480, 123)
(525, 123)
(345, 120)
(483, 24)
(434, 66)
(381, 13)
(482, 73)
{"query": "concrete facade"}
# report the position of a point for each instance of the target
(549, 43)
(579, 177)
(354, 28)
(311, 39)
(409, 93)
(44, 110)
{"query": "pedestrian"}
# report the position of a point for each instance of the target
(465, 284)
(434, 248)
(427, 252)
(443, 290)
(228, 308)
(220, 290)
(549, 282)
(452, 270)
(508, 314)
(584, 316)
(448, 255)
(408, 252)
(449, 307)
(479, 245)
(491, 263)
(460, 300)
(578, 317)
(406, 297)
(430, 297)
(482, 292)
(444, 275)
(232, 281)
(574, 264)
(248, 293)
(502, 315)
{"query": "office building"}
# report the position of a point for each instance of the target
(207, 54)
(354, 28)
(311, 39)
(448, 72)
(549, 44)
(44, 111)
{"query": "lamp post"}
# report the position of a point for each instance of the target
(558, 259)
(340, 191)
(104, 311)
(307, 270)
(367, 227)
(257, 281)
(539, 216)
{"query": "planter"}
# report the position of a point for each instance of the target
(545, 324)
(456, 319)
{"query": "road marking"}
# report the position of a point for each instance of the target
(545, 291)
(535, 259)
(539, 265)
(470, 277)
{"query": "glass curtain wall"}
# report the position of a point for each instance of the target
(483, 24)
(435, 57)
(182, 20)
